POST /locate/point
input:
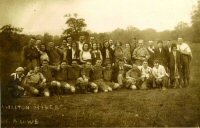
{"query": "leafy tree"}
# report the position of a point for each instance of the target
(75, 26)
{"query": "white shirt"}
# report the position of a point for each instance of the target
(73, 54)
(145, 72)
(86, 55)
(159, 72)
(107, 53)
(184, 48)
(80, 45)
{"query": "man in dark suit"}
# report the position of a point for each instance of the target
(175, 66)
(107, 54)
(161, 54)
(119, 72)
(73, 53)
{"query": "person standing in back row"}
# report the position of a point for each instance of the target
(161, 54)
(140, 53)
(186, 56)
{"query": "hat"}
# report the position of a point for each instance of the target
(20, 69)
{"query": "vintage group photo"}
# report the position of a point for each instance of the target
(98, 63)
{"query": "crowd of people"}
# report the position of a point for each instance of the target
(89, 66)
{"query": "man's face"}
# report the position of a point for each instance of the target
(169, 43)
(174, 49)
(87, 64)
(180, 40)
(82, 38)
(106, 44)
(121, 63)
(94, 46)
(64, 42)
(127, 45)
(32, 42)
(36, 69)
(92, 39)
(42, 48)
(108, 66)
(63, 65)
(38, 42)
(74, 45)
(111, 42)
(160, 45)
(98, 63)
(69, 39)
(19, 73)
(140, 44)
(85, 47)
(45, 63)
(51, 44)
(150, 43)
(145, 64)
(156, 65)
(74, 63)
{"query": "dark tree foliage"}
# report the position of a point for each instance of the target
(75, 26)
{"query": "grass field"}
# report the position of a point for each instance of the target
(173, 107)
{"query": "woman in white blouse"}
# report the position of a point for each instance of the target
(85, 54)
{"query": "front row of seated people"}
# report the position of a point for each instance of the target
(50, 80)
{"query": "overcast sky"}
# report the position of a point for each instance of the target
(39, 16)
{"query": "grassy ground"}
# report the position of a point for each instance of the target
(173, 107)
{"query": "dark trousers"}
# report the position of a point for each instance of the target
(186, 69)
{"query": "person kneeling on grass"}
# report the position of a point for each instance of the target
(133, 77)
(16, 83)
(119, 72)
(48, 72)
(73, 73)
(36, 83)
(160, 75)
(97, 77)
(107, 76)
(61, 79)
(146, 76)
(83, 83)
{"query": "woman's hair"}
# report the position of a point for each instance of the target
(173, 45)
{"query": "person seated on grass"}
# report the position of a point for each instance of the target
(73, 73)
(16, 82)
(97, 77)
(119, 72)
(83, 82)
(146, 76)
(107, 76)
(48, 72)
(61, 79)
(159, 75)
(35, 83)
(133, 77)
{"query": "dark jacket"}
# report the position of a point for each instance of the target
(111, 54)
(116, 72)
(161, 56)
(172, 64)
(69, 55)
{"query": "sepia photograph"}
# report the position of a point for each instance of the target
(99, 63)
